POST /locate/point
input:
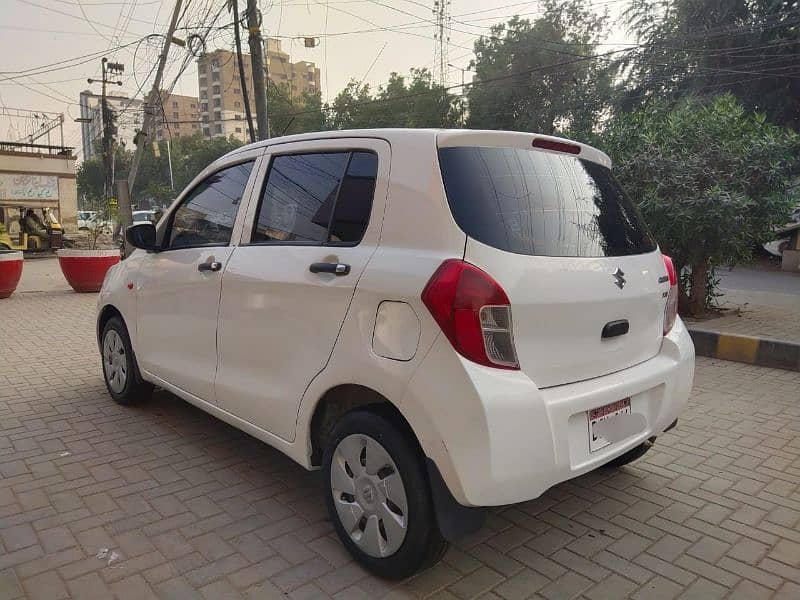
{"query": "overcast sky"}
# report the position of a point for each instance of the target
(359, 39)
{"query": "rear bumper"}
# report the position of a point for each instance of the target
(498, 439)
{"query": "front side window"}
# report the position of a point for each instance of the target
(206, 216)
(323, 198)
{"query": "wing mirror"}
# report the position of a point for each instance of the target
(141, 235)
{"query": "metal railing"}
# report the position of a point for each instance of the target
(22, 147)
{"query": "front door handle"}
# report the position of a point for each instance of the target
(209, 266)
(334, 268)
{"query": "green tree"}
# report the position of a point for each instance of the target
(707, 47)
(401, 102)
(537, 76)
(710, 178)
(90, 176)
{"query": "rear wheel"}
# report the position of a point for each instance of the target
(378, 497)
(120, 371)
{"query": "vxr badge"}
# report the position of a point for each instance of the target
(619, 278)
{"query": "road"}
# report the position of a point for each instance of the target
(193, 508)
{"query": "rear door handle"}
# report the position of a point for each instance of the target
(334, 268)
(209, 266)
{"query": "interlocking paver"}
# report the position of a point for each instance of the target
(195, 508)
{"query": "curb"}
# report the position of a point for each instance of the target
(763, 352)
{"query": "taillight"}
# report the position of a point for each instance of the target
(671, 309)
(473, 312)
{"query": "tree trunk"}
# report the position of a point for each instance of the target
(697, 297)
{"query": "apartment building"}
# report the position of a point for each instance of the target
(221, 100)
(180, 116)
(129, 114)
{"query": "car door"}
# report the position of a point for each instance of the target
(179, 286)
(287, 288)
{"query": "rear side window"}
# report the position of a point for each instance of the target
(540, 203)
(323, 198)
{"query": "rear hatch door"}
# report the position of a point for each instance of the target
(569, 249)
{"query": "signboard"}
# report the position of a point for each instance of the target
(21, 186)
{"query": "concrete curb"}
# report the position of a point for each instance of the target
(763, 352)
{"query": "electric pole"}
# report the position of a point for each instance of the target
(259, 68)
(147, 123)
(107, 119)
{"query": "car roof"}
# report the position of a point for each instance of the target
(442, 137)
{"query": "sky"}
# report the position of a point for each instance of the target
(364, 40)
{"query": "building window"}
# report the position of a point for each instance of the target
(192, 106)
(237, 104)
(215, 76)
(217, 115)
(205, 118)
(203, 82)
(215, 89)
(217, 128)
(216, 102)
(237, 116)
(175, 115)
(203, 94)
(194, 125)
(238, 130)
(174, 104)
(204, 107)
(214, 64)
(237, 91)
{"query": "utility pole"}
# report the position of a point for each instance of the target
(107, 120)
(259, 68)
(147, 123)
(463, 92)
(242, 74)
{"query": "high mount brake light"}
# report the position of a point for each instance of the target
(557, 146)
(473, 312)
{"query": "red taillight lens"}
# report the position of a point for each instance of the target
(557, 146)
(671, 309)
(473, 312)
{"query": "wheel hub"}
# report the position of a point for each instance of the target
(369, 495)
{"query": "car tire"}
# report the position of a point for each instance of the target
(120, 371)
(381, 505)
(630, 456)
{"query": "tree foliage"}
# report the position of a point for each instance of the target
(707, 47)
(710, 178)
(538, 78)
(401, 102)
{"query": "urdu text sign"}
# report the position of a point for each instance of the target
(22, 186)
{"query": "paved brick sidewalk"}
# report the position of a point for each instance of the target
(196, 509)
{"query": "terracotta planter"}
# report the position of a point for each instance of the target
(85, 269)
(10, 272)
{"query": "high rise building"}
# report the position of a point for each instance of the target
(222, 110)
(180, 116)
(128, 117)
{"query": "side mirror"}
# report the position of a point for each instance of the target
(141, 235)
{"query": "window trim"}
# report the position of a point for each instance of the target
(327, 244)
(167, 232)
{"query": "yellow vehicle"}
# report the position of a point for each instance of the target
(36, 232)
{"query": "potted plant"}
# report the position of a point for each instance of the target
(10, 270)
(85, 268)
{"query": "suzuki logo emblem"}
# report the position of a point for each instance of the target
(619, 278)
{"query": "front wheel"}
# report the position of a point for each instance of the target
(378, 497)
(120, 371)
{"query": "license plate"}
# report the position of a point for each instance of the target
(602, 415)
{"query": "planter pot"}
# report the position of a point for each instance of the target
(85, 269)
(10, 272)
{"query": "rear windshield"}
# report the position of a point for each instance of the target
(540, 203)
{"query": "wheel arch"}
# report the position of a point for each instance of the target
(343, 398)
(108, 312)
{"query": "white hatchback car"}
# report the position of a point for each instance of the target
(440, 320)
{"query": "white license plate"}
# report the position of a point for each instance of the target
(602, 415)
